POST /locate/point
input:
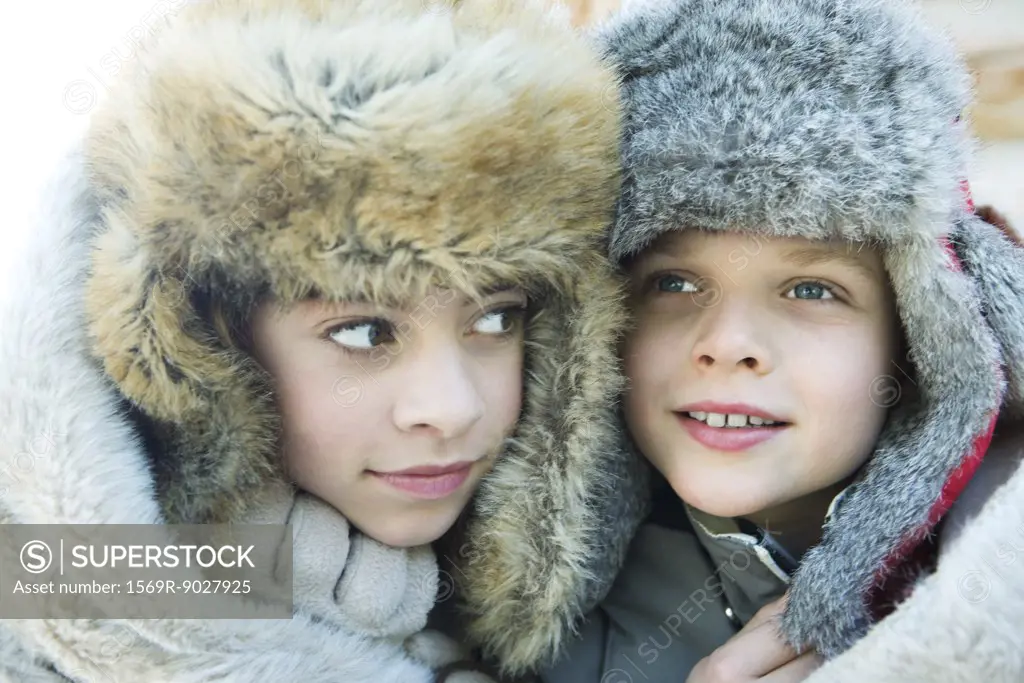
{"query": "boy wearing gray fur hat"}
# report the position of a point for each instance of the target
(824, 333)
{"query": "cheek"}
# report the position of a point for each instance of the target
(500, 380)
(857, 367)
(839, 371)
(327, 417)
(847, 381)
(650, 354)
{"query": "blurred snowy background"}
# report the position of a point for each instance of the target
(57, 58)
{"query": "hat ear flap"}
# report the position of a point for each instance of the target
(154, 345)
(997, 266)
(138, 317)
(555, 516)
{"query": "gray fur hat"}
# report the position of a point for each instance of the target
(837, 119)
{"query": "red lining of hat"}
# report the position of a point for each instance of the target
(913, 553)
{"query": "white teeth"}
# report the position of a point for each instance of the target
(730, 420)
(736, 420)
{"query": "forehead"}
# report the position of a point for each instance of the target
(434, 297)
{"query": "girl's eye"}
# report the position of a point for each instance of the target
(810, 291)
(675, 284)
(362, 335)
(502, 321)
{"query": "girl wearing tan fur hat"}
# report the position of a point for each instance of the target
(337, 264)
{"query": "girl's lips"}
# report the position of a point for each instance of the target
(431, 483)
(728, 439)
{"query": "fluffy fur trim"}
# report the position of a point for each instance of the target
(369, 149)
(18, 665)
(991, 215)
(997, 265)
(830, 119)
(961, 624)
(526, 592)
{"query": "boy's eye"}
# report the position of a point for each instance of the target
(675, 284)
(810, 291)
(362, 335)
(501, 321)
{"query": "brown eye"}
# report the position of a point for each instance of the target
(364, 334)
(499, 322)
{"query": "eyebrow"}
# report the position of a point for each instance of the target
(813, 256)
(662, 249)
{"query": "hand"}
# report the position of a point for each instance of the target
(756, 653)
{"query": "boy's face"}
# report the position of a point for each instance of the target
(801, 332)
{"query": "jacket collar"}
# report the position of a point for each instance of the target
(712, 529)
(753, 568)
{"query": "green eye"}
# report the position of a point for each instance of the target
(675, 284)
(810, 291)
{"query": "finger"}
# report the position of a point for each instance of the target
(769, 611)
(751, 654)
(767, 647)
(796, 670)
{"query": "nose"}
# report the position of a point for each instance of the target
(730, 337)
(440, 395)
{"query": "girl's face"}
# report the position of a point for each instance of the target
(394, 416)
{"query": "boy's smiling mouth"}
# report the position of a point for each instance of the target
(729, 426)
(730, 419)
(731, 414)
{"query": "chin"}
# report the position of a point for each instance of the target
(403, 540)
(716, 498)
(415, 529)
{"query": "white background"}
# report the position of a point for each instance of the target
(46, 47)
